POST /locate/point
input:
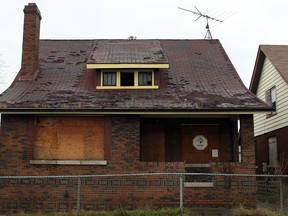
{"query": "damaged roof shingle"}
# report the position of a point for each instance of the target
(200, 77)
(126, 52)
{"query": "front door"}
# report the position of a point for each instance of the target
(200, 143)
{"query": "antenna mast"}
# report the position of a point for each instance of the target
(208, 34)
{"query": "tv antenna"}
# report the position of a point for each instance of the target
(208, 34)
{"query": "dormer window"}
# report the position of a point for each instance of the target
(122, 64)
(128, 79)
(127, 64)
(145, 78)
(109, 78)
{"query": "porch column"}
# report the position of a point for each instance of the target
(235, 141)
(247, 140)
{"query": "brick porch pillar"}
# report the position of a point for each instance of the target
(247, 140)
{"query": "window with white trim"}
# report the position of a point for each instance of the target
(271, 98)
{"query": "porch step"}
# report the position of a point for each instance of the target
(198, 168)
(198, 184)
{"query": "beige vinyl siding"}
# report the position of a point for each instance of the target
(269, 78)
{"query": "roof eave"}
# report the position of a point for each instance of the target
(136, 111)
(127, 66)
(257, 71)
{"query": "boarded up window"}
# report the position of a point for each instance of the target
(152, 142)
(272, 145)
(69, 138)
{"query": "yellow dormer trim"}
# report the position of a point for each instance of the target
(136, 80)
(126, 66)
(126, 87)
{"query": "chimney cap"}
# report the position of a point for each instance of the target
(32, 8)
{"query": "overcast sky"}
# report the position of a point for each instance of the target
(247, 23)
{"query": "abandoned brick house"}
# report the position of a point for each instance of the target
(270, 83)
(126, 106)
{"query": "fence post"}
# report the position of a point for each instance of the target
(181, 191)
(78, 196)
(281, 196)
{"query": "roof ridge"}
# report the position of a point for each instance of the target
(150, 39)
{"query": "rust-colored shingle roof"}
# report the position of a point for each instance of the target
(200, 78)
(278, 56)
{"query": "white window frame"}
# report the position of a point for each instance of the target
(271, 99)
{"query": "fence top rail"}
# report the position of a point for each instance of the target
(144, 174)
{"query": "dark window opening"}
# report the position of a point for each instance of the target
(109, 78)
(145, 78)
(271, 100)
(127, 79)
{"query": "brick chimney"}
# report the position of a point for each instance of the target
(31, 40)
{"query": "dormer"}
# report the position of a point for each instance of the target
(127, 64)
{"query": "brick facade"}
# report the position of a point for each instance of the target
(127, 143)
(123, 149)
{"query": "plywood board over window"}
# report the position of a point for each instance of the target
(272, 146)
(69, 138)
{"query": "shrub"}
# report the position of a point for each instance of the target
(121, 212)
(160, 212)
(260, 211)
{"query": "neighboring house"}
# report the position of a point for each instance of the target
(270, 83)
(128, 106)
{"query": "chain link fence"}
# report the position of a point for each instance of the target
(86, 193)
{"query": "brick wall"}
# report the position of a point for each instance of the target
(107, 193)
(122, 146)
(13, 147)
(235, 189)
